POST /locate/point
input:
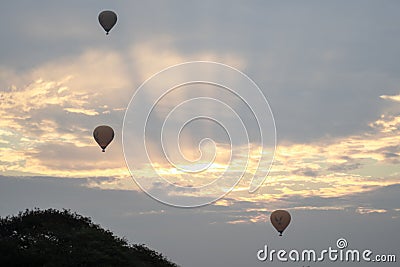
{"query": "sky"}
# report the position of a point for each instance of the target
(329, 72)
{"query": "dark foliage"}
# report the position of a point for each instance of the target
(61, 238)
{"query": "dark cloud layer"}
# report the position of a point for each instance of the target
(205, 236)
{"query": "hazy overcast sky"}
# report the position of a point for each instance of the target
(329, 70)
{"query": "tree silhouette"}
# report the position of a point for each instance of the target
(61, 238)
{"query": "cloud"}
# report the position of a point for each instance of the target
(306, 172)
(363, 210)
(345, 167)
(395, 98)
(387, 123)
(325, 167)
(89, 112)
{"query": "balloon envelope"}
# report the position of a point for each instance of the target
(103, 135)
(280, 219)
(107, 20)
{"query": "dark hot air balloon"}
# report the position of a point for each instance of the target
(107, 19)
(280, 219)
(103, 135)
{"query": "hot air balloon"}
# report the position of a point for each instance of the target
(280, 219)
(107, 19)
(103, 135)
